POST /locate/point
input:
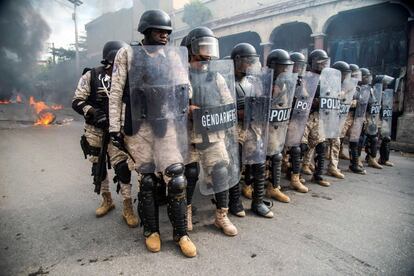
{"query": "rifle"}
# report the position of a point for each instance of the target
(100, 172)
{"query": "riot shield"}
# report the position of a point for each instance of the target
(345, 97)
(303, 101)
(214, 116)
(257, 86)
(281, 104)
(158, 92)
(330, 88)
(374, 107)
(362, 97)
(386, 112)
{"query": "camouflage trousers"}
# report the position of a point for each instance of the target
(312, 137)
(153, 154)
(94, 137)
(253, 145)
(334, 145)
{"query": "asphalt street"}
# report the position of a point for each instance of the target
(363, 225)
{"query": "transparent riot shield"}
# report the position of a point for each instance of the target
(386, 112)
(281, 104)
(329, 103)
(257, 86)
(159, 87)
(302, 104)
(361, 96)
(345, 97)
(374, 107)
(214, 116)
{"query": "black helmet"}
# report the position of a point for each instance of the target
(278, 56)
(203, 42)
(384, 79)
(317, 55)
(110, 49)
(353, 67)
(297, 57)
(243, 50)
(341, 66)
(365, 72)
(154, 19)
(184, 42)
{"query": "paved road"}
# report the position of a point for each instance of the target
(363, 225)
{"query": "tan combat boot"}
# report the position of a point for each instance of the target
(189, 218)
(360, 162)
(276, 193)
(373, 163)
(306, 169)
(386, 163)
(153, 242)
(247, 191)
(106, 205)
(297, 184)
(319, 180)
(222, 221)
(128, 214)
(187, 247)
(335, 173)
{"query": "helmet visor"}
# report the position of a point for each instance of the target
(243, 64)
(319, 65)
(206, 46)
(357, 75)
(300, 68)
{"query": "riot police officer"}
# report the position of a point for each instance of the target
(214, 145)
(284, 82)
(91, 101)
(318, 60)
(145, 78)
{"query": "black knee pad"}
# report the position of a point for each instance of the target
(219, 175)
(386, 139)
(320, 148)
(304, 147)
(148, 182)
(122, 172)
(295, 151)
(192, 171)
(178, 182)
(277, 157)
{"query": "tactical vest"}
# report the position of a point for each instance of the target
(100, 81)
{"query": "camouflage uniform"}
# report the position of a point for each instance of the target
(94, 135)
(144, 146)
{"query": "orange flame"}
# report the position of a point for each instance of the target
(4, 102)
(18, 99)
(44, 117)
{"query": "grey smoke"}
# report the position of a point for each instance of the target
(23, 35)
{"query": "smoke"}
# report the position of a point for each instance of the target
(23, 35)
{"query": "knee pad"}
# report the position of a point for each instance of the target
(148, 182)
(295, 151)
(320, 148)
(122, 172)
(304, 147)
(178, 182)
(277, 158)
(192, 171)
(386, 139)
(219, 174)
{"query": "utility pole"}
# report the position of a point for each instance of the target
(76, 3)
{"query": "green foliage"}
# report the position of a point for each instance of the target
(196, 13)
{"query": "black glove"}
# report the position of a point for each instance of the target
(101, 119)
(90, 116)
(117, 139)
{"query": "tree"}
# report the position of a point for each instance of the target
(196, 13)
